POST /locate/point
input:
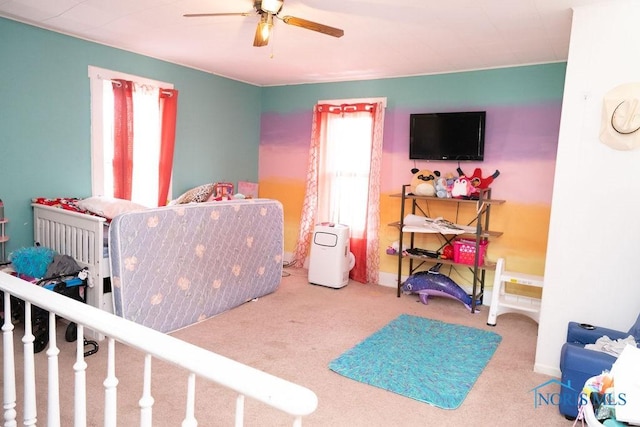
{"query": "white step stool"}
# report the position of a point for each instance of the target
(503, 302)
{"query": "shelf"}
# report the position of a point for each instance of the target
(522, 303)
(488, 265)
(450, 200)
(477, 229)
(503, 301)
(486, 233)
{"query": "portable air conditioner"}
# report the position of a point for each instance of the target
(330, 260)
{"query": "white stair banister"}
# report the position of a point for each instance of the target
(285, 396)
(30, 407)
(111, 387)
(80, 378)
(146, 401)
(53, 393)
(8, 367)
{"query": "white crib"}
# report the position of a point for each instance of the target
(81, 236)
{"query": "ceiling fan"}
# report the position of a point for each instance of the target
(267, 10)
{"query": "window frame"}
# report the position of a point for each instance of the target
(97, 76)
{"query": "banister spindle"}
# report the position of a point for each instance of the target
(146, 401)
(30, 407)
(80, 395)
(190, 419)
(53, 392)
(240, 410)
(8, 366)
(110, 387)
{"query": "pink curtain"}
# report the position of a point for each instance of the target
(366, 247)
(168, 108)
(122, 139)
(310, 203)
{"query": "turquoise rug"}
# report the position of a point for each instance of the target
(424, 359)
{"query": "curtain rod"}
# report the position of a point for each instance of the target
(164, 91)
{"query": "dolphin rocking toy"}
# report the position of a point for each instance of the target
(433, 283)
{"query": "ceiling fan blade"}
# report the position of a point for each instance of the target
(263, 30)
(199, 15)
(259, 40)
(313, 26)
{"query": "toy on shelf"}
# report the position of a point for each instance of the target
(442, 189)
(468, 186)
(477, 180)
(394, 248)
(433, 283)
(462, 188)
(423, 182)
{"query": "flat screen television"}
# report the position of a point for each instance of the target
(447, 136)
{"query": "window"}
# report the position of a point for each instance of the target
(343, 179)
(345, 160)
(147, 131)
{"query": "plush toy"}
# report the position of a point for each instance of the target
(32, 261)
(442, 190)
(451, 178)
(393, 248)
(462, 188)
(477, 181)
(433, 283)
(423, 182)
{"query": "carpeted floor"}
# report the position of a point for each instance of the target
(427, 360)
(295, 333)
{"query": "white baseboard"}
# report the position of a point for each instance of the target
(547, 370)
(390, 280)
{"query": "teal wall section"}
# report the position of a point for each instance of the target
(45, 120)
(505, 86)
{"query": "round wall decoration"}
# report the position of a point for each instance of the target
(620, 127)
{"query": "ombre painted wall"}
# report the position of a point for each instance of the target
(523, 114)
(45, 145)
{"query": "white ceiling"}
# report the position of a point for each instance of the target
(382, 38)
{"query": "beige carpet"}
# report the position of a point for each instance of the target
(294, 333)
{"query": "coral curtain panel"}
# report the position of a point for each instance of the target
(122, 139)
(168, 112)
(341, 189)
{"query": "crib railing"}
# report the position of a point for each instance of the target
(244, 380)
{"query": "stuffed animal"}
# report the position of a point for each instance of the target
(442, 190)
(423, 182)
(477, 181)
(462, 188)
(451, 178)
(32, 261)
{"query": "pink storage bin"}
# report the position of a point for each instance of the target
(464, 251)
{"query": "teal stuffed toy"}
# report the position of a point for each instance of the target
(32, 261)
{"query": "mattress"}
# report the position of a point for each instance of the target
(178, 265)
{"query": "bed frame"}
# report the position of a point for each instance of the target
(81, 236)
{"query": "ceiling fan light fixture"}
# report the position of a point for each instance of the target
(263, 31)
(271, 6)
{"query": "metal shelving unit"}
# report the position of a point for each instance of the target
(480, 222)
